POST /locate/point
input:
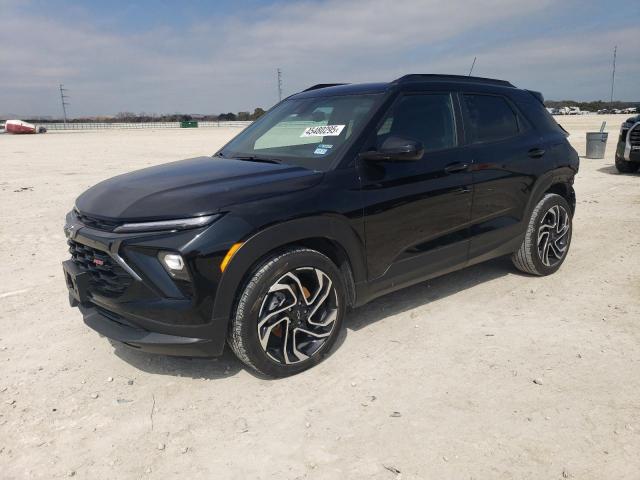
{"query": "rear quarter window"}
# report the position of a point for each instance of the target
(540, 117)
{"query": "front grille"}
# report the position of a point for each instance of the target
(634, 136)
(97, 223)
(107, 277)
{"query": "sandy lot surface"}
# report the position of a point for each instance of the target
(454, 357)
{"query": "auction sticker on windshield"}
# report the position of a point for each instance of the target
(323, 131)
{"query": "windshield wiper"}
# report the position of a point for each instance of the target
(253, 158)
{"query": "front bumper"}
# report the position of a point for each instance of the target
(151, 312)
(624, 152)
(117, 328)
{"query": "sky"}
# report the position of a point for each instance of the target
(219, 56)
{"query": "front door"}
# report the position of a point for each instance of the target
(417, 213)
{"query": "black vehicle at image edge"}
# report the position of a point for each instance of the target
(628, 148)
(339, 194)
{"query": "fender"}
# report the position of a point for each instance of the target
(563, 175)
(331, 227)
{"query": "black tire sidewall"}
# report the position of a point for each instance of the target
(252, 297)
(624, 166)
(545, 204)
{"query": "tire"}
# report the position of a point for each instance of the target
(626, 167)
(534, 255)
(282, 326)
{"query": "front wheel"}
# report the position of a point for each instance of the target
(547, 239)
(289, 313)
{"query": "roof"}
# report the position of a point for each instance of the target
(330, 89)
(432, 77)
(344, 89)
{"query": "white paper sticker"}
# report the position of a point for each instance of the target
(320, 151)
(323, 131)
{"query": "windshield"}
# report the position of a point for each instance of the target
(308, 132)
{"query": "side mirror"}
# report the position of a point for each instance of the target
(396, 148)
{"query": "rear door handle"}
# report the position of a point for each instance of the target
(536, 152)
(462, 190)
(456, 167)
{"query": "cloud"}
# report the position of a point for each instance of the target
(227, 63)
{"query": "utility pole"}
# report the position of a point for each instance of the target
(472, 65)
(613, 74)
(63, 100)
(279, 85)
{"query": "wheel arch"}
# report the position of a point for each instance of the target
(566, 191)
(330, 235)
(559, 182)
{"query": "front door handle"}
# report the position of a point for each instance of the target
(536, 152)
(456, 167)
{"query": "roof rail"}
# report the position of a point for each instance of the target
(323, 85)
(423, 77)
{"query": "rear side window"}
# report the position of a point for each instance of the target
(540, 117)
(427, 118)
(489, 118)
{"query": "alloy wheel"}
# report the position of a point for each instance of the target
(553, 235)
(297, 315)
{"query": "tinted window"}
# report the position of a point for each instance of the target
(490, 118)
(541, 118)
(427, 118)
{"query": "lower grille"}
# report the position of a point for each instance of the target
(107, 277)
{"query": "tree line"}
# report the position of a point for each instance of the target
(130, 117)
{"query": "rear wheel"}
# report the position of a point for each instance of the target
(626, 167)
(547, 239)
(289, 313)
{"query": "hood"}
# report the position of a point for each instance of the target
(187, 188)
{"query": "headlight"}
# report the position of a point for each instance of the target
(179, 224)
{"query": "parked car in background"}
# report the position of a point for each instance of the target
(337, 195)
(628, 148)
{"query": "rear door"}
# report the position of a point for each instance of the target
(417, 212)
(504, 148)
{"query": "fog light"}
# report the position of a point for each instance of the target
(173, 263)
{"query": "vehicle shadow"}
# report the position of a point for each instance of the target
(612, 170)
(391, 304)
(428, 291)
(224, 366)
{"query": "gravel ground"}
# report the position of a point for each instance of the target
(433, 382)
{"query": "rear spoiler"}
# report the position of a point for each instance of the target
(538, 96)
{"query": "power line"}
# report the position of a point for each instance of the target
(63, 100)
(613, 73)
(279, 85)
(472, 65)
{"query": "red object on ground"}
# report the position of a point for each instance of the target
(18, 126)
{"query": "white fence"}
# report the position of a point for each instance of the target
(104, 126)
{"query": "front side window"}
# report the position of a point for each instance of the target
(308, 132)
(427, 118)
(490, 118)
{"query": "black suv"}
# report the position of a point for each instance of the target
(339, 194)
(628, 148)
